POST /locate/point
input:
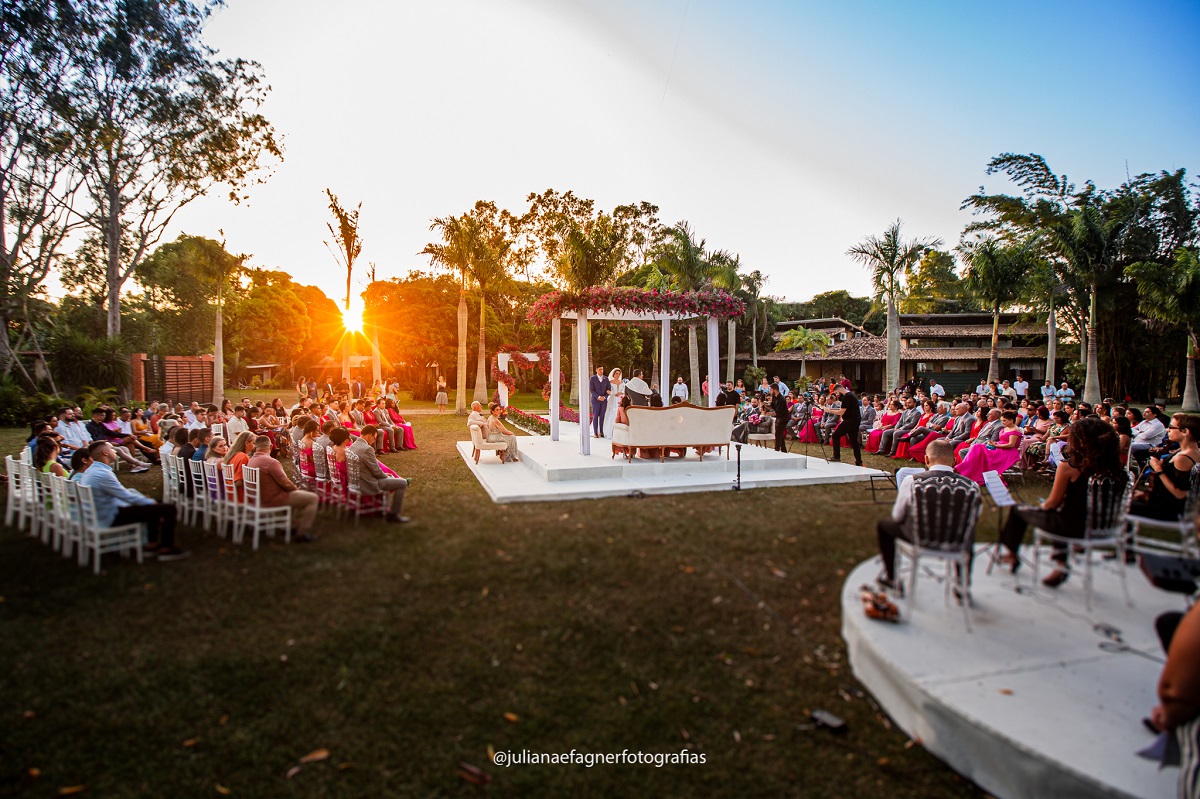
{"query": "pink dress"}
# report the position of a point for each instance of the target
(885, 421)
(809, 434)
(980, 459)
(410, 442)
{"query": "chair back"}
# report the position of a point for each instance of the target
(13, 469)
(26, 454)
(87, 507)
(945, 508)
(1107, 504)
(212, 478)
(352, 472)
(250, 484)
(31, 482)
(218, 431)
(476, 436)
(196, 472)
(60, 499)
(320, 463)
(181, 476)
(1192, 504)
(229, 481)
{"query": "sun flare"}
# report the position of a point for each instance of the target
(352, 320)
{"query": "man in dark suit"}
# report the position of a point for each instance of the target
(371, 479)
(356, 389)
(598, 388)
(963, 422)
(850, 413)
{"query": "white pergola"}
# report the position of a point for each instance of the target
(583, 320)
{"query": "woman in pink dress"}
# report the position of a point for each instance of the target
(994, 457)
(409, 441)
(902, 445)
(809, 434)
(886, 422)
(338, 440)
(308, 467)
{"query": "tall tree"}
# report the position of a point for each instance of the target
(934, 286)
(997, 277)
(688, 266)
(1171, 293)
(752, 284)
(345, 249)
(160, 121)
(495, 258)
(460, 240)
(38, 182)
(889, 258)
(202, 272)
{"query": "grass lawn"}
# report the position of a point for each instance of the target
(708, 622)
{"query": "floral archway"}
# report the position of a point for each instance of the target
(626, 304)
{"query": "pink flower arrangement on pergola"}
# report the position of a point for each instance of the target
(680, 304)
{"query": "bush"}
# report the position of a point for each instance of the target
(753, 376)
(79, 359)
(18, 407)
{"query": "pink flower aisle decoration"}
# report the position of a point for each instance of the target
(707, 302)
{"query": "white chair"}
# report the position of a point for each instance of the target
(20, 495)
(942, 519)
(102, 540)
(1104, 528)
(1184, 525)
(263, 518)
(202, 504)
(218, 431)
(52, 530)
(233, 504)
(362, 504)
(38, 502)
(65, 499)
(183, 498)
(169, 484)
(480, 443)
(215, 493)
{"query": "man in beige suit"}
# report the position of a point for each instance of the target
(371, 479)
(476, 417)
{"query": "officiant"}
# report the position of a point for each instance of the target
(637, 390)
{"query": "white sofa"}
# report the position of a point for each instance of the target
(479, 443)
(676, 426)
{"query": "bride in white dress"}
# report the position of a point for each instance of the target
(614, 398)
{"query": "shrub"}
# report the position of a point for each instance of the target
(79, 359)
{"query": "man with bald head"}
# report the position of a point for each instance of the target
(476, 417)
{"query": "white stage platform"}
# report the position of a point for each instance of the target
(555, 471)
(1036, 702)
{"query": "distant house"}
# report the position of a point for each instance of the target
(263, 371)
(954, 348)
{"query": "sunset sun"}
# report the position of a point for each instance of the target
(352, 320)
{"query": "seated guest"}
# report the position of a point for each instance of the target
(867, 416)
(1125, 434)
(237, 422)
(908, 421)
(238, 455)
(97, 430)
(498, 433)
(188, 448)
(275, 490)
(322, 441)
(1178, 711)
(389, 434)
(1147, 433)
(202, 439)
(887, 421)
(407, 440)
(939, 457)
(308, 468)
(339, 442)
(995, 456)
(622, 418)
(798, 415)
(1094, 451)
(217, 448)
(80, 461)
(476, 418)
(1171, 477)
(371, 479)
(117, 505)
(140, 428)
(45, 456)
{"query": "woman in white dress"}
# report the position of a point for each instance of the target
(614, 399)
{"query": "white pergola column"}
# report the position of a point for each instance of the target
(664, 364)
(502, 359)
(585, 399)
(555, 375)
(714, 360)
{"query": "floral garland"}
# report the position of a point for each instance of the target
(706, 302)
(539, 425)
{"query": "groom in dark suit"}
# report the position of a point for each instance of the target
(598, 388)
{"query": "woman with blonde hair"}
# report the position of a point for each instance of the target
(237, 456)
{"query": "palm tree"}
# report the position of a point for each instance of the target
(348, 248)
(685, 264)
(807, 341)
(1087, 242)
(755, 308)
(996, 275)
(589, 255)
(460, 240)
(889, 258)
(490, 270)
(1171, 293)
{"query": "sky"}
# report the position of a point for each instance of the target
(784, 132)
